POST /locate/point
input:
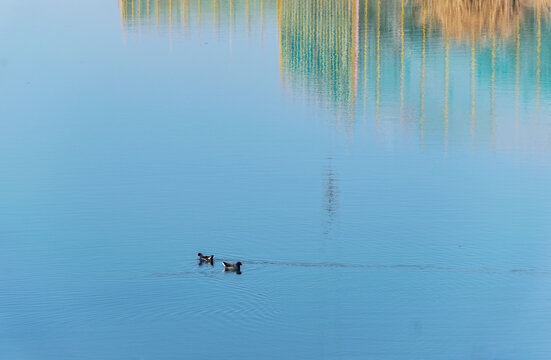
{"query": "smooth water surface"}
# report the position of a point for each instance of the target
(381, 168)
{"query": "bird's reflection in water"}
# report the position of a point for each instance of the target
(233, 272)
(202, 262)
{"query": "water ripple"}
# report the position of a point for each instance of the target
(415, 267)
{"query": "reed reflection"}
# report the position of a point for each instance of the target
(182, 16)
(481, 19)
(448, 71)
(319, 49)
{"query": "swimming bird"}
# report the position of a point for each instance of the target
(232, 267)
(207, 259)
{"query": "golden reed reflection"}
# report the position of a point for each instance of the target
(365, 35)
(446, 91)
(473, 86)
(538, 61)
(184, 15)
(378, 63)
(480, 18)
(423, 72)
(402, 62)
(493, 90)
(442, 61)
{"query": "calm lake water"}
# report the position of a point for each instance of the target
(381, 168)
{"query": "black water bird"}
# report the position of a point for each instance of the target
(206, 259)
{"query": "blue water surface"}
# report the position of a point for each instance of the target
(383, 178)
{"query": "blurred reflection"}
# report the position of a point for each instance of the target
(319, 49)
(444, 71)
(480, 19)
(331, 195)
(195, 15)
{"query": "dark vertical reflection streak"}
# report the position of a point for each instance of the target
(331, 195)
(423, 69)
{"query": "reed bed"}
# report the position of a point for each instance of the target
(481, 19)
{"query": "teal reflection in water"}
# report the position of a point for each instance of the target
(485, 68)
